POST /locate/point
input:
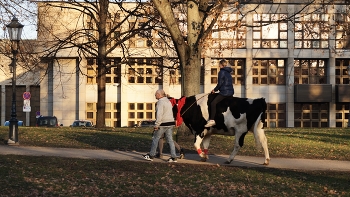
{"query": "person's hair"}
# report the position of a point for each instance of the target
(161, 92)
(223, 62)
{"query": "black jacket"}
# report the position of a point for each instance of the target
(225, 85)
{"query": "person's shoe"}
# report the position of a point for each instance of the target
(160, 156)
(172, 160)
(210, 123)
(148, 157)
(182, 154)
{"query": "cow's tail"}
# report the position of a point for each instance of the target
(259, 133)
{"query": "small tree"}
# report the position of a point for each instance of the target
(94, 29)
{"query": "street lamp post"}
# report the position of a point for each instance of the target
(15, 31)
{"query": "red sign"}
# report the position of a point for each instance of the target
(26, 95)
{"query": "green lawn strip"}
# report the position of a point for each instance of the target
(318, 143)
(51, 176)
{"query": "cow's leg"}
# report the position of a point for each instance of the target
(206, 141)
(239, 139)
(266, 150)
(260, 138)
(197, 144)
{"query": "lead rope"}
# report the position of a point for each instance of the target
(193, 104)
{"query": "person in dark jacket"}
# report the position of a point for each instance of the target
(225, 88)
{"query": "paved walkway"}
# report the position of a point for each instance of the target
(281, 163)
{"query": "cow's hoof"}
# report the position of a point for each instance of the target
(182, 156)
(202, 155)
(267, 162)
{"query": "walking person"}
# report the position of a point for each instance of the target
(177, 146)
(164, 125)
(225, 88)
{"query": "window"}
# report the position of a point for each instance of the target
(276, 115)
(145, 71)
(140, 111)
(270, 31)
(112, 30)
(311, 115)
(91, 111)
(91, 75)
(175, 73)
(113, 71)
(268, 71)
(311, 31)
(310, 71)
(112, 113)
(342, 28)
(341, 114)
(90, 115)
(341, 72)
(175, 76)
(146, 31)
(116, 115)
(146, 34)
(91, 33)
(234, 37)
(237, 74)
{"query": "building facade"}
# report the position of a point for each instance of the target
(298, 60)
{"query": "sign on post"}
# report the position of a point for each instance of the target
(26, 102)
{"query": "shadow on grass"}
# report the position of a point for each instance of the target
(139, 139)
(115, 141)
(88, 177)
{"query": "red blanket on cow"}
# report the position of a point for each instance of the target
(180, 103)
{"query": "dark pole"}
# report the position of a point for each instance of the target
(348, 68)
(13, 128)
(15, 31)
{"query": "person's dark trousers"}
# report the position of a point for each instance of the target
(213, 104)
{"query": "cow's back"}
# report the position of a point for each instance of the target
(251, 107)
(196, 109)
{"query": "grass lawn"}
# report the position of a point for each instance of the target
(328, 143)
(51, 176)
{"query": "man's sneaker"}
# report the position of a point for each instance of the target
(210, 123)
(148, 157)
(172, 160)
(160, 156)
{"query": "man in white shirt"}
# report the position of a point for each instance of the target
(164, 124)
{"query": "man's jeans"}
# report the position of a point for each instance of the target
(168, 130)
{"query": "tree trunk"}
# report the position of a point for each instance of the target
(191, 66)
(188, 48)
(101, 70)
(191, 74)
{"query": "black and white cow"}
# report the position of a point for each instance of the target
(234, 116)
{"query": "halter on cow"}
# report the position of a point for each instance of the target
(234, 116)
